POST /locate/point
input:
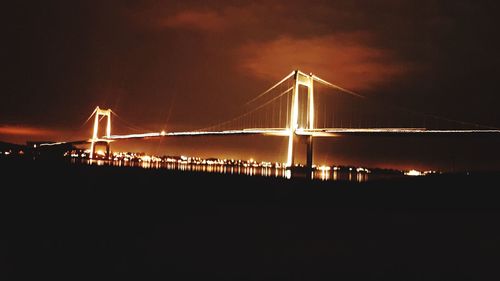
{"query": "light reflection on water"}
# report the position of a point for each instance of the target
(324, 175)
(336, 175)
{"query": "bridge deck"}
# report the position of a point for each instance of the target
(332, 132)
(326, 132)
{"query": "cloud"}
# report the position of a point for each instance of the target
(192, 19)
(259, 39)
(25, 131)
(22, 133)
(251, 19)
(344, 59)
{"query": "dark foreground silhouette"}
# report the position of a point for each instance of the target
(69, 221)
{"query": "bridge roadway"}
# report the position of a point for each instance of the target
(326, 132)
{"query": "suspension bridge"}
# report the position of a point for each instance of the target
(302, 107)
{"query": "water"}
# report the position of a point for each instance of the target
(277, 172)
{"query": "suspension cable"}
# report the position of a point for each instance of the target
(249, 112)
(270, 89)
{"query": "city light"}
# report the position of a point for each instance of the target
(414, 173)
(324, 168)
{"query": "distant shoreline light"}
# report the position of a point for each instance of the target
(415, 173)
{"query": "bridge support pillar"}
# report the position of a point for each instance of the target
(108, 152)
(301, 121)
(298, 142)
(95, 135)
(96, 143)
(309, 162)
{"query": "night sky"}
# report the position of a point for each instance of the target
(187, 64)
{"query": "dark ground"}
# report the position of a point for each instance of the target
(69, 221)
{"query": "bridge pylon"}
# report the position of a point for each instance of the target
(301, 121)
(96, 140)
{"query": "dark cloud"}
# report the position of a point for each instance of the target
(202, 20)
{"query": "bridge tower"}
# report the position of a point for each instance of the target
(301, 120)
(95, 135)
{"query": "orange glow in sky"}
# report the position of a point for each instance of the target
(25, 131)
